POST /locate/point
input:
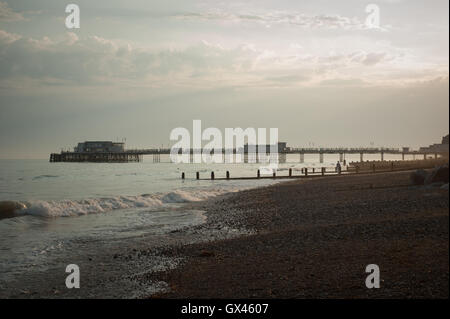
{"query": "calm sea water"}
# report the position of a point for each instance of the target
(66, 203)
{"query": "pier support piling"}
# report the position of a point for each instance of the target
(156, 158)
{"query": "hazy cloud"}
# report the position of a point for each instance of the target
(322, 21)
(7, 14)
(6, 37)
(95, 60)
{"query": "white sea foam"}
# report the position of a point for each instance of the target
(67, 208)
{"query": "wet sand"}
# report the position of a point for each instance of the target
(314, 239)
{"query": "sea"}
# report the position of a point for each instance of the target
(59, 205)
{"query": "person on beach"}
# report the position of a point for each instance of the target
(338, 167)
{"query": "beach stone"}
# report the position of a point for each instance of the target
(418, 177)
(438, 175)
(8, 208)
(206, 253)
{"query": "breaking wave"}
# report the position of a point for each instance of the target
(67, 208)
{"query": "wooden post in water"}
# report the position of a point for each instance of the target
(323, 171)
(306, 171)
(290, 172)
(197, 175)
(258, 174)
(228, 175)
(212, 175)
(274, 174)
(314, 170)
(182, 175)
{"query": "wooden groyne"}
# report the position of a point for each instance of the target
(374, 167)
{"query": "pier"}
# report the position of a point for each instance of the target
(110, 152)
(126, 156)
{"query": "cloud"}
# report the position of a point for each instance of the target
(343, 82)
(6, 37)
(323, 21)
(371, 58)
(293, 78)
(94, 60)
(8, 15)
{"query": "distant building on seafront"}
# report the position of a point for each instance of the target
(280, 147)
(445, 139)
(99, 147)
(437, 148)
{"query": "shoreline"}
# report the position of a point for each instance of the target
(113, 268)
(314, 238)
(306, 238)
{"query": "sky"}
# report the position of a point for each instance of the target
(137, 69)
